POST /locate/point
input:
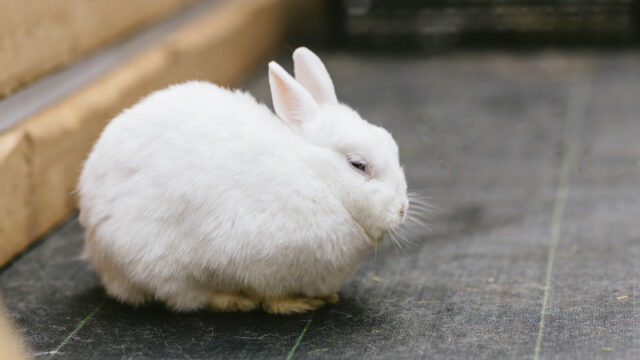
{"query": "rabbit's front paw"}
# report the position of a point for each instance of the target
(231, 302)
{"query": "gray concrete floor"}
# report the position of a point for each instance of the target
(533, 159)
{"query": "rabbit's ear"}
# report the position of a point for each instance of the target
(291, 101)
(312, 74)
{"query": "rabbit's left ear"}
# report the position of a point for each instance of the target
(291, 101)
(313, 75)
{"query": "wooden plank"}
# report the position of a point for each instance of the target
(14, 194)
(37, 37)
(59, 84)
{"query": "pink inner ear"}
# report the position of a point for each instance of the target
(286, 100)
(288, 96)
(291, 101)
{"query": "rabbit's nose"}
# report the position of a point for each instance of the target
(403, 209)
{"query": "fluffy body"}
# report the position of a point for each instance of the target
(200, 197)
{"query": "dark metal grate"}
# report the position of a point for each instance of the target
(410, 22)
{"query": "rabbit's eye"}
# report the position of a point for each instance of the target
(358, 165)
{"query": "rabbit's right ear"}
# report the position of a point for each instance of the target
(313, 75)
(291, 101)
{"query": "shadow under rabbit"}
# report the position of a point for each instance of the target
(219, 333)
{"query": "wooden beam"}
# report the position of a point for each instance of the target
(37, 36)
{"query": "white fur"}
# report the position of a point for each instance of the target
(198, 189)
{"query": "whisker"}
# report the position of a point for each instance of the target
(393, 235)
(415, 222)
(399, 238)
(375, 251)
(423, 202)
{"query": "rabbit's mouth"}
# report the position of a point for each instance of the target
(376, 237)
(372, 237)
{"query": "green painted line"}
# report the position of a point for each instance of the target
(299, 339)
(576, 112)
(75, 331)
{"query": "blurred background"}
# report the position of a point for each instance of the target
(433, 25)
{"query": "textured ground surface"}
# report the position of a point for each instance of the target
(533, 159)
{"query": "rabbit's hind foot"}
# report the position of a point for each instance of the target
(297, 304)
(222, 302)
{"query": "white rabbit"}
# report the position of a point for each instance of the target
(201, 197)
